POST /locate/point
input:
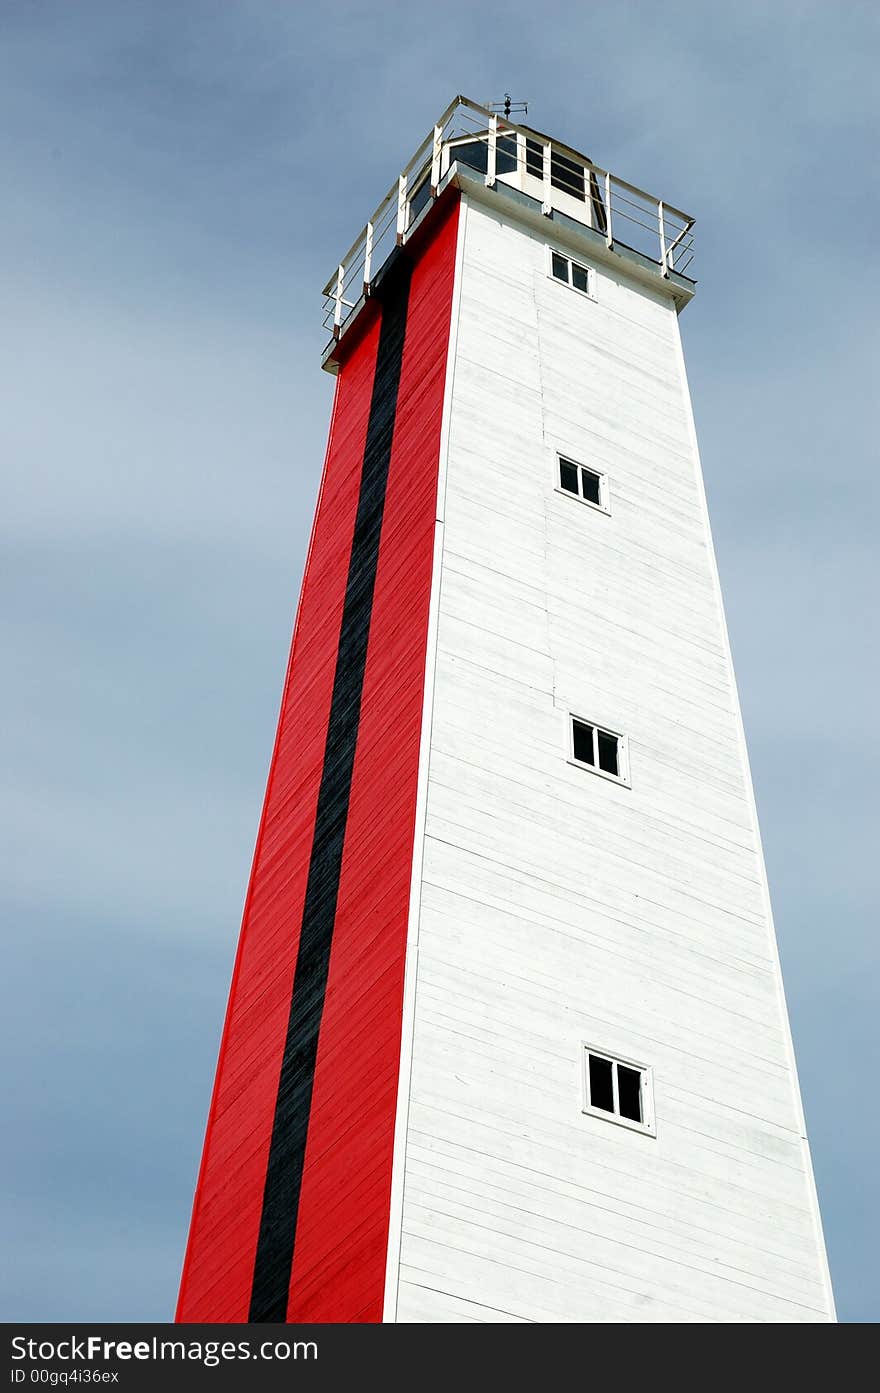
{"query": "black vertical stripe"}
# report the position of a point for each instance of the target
(278, 1221)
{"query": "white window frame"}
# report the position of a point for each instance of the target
(648, 1125)
(622, 777)
(590, 292)
(604, 504)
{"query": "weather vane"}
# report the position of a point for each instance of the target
(507, 106)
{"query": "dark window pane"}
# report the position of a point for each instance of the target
(590, 485)
(505, 154)
(474, 154)
(560, 267)
(629, 1093)
(419, 198)
(583, 742)
(565, 174)
(534, 158)
(598, 204)
(580, 277)
(608, 753)
(568, 475)
(601, 1090)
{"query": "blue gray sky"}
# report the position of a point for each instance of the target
(178, 180)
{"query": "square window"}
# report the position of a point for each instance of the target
(584, 483)
(618, 1090)
(572, 273)
(600, 750)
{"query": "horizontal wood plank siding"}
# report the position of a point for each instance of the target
(558, 907)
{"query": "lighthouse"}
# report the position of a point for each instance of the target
(506, 1038)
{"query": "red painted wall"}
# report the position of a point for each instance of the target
(339, 1260)
(339, 1263)
(218, 1268)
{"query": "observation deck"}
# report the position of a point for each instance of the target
(490, 157)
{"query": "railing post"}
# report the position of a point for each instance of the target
(493, 147)
(435, 160)
(368, 257)
(676, 241)
(670, 254)
(401, 208)
(547, 205)
(662, 226)
(337, 308)
(608, 234)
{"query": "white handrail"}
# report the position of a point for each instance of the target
(492, 160)
(340, 286)
(608, 233)
(368, 255)
(629, 212)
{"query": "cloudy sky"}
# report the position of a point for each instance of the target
(177, 181)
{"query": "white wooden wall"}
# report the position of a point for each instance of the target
(556, 907)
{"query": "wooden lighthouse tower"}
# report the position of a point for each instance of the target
(506, 1037)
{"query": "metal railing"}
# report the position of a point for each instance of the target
(502, 152)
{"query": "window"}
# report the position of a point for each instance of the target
(565, 174)
(572, 273)
(419, 197)
(618, 1090)
(599, 750)
(571, 177)
(475, 154)
(584, 483)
